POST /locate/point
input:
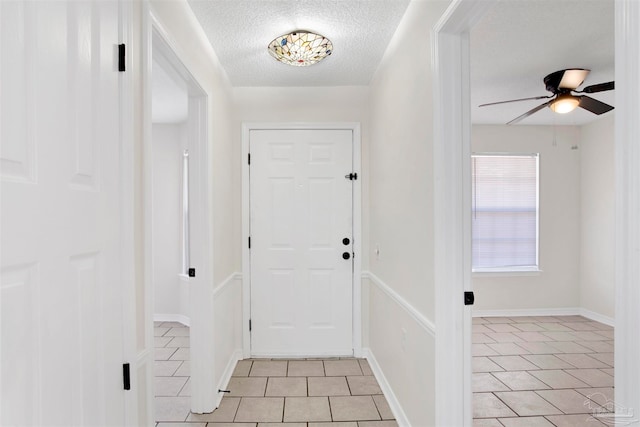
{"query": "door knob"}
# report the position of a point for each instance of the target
(346, 255)
(346, 241)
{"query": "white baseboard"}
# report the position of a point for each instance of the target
(394, 404)
(598, 317)
(568, 311)
(226, 375)
(172, 318)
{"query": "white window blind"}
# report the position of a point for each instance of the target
(505, 212)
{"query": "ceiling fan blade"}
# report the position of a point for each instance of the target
(528, 113)
(593, 105)
(516, 100)
(601, 87)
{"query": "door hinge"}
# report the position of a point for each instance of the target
(249, 242)
(249, 158)
(122, 59)
(126, 376)
(191, 272)
(469, 298)
(352, 176)
(249, 325)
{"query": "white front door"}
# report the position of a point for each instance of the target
(60, 278)
(301, 242)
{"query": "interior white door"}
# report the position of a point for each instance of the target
(301, 213)
(60, 285)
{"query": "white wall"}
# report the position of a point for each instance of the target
(401, 213)
(597, 266)
(171, 296)
(557, 285)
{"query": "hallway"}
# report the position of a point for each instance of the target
(300, 393)
(541, 371)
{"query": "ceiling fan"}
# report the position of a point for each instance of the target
(563, 85)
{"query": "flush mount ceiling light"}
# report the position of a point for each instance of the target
(564, 103)
(300, 48)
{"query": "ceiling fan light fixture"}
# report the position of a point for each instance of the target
(564, 103)
(300, 48)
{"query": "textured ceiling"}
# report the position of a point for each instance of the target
(519, 42)
(240, 30)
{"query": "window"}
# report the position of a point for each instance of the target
(504, 218)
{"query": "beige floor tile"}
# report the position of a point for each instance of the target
(501, 337)
(158, 332)
(568, 401)
(306, 368)
(177, 332)
(485, 382)
(363, 385)
(179, 342)
(163, 353)
(609, 371)
(237, 424)
(255, 409)
(574, 421)
(484, 364)
(531, 336)
(242, 369)
(328, 386)
(598, 346)
(306, 409)
(498, 319)
(339, 368)
(582, 326)
(569, 347)
(607, 334)
(593, 377)
(588, 336)
(519, 380)
(601, 396)
(526, 422)
(166, 368)
(538, 348)
(184, 370)
(172, 408)
(558, 379)
(508, 348)
(487, 405)
(286, 386)
(559, 335)
(383, 407)
(480, 329)
(186, 390)
(273, 425)
(387, 423)
(557, 327)
(182, 425)
(169, 386)
(157, 324)
(353, 408)
(522, 319)
(527, 403)
(481, 338)
(478, 321)
(582, 361)
(183, 353)
(529, 327)
(501, 327)
(487, 422)
(606, 358)
(364, 366)
(247, 386)
(482, 350)
(342, 424)
(225, 413)
(159, 342)
(513, 363)
(267, 368)
(547, 361)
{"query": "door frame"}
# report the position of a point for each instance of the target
(450, 44)
(357, 225)
(203, 396)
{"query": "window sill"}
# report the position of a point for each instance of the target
(496, 272)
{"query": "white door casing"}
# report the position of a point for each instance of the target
(301, 210)
(60, 285)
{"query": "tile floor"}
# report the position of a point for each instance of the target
(269, 393)
(541, 371)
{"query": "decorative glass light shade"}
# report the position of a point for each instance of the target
(300, 48)
(565, 103)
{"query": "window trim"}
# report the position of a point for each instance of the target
(528, 270)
